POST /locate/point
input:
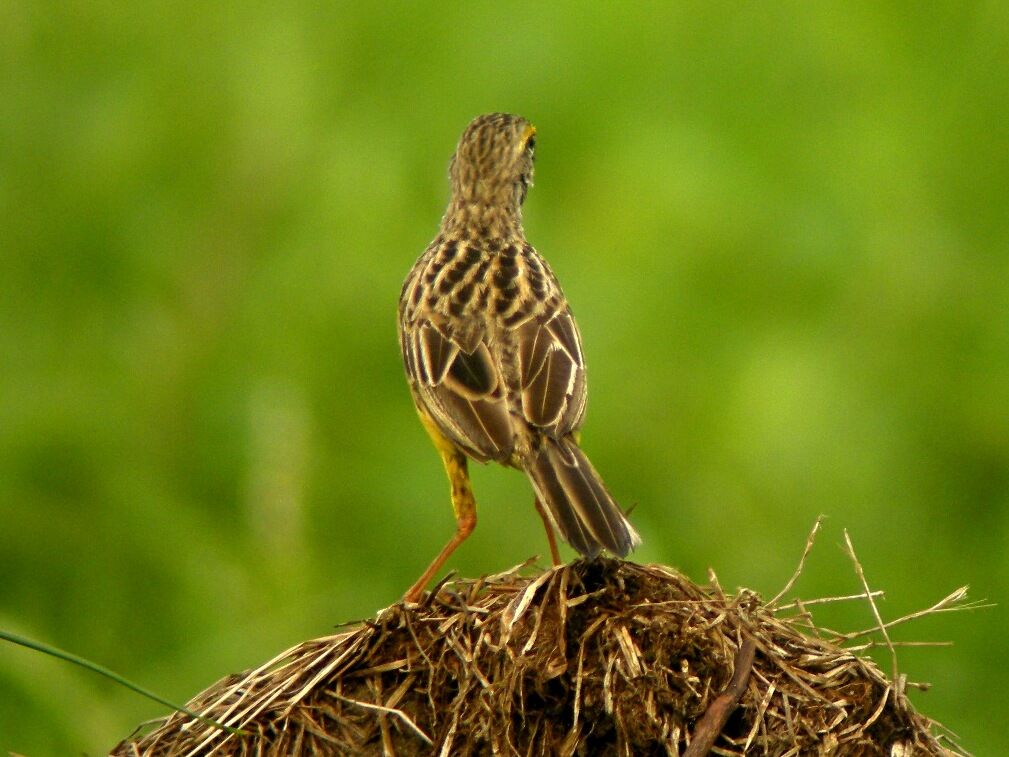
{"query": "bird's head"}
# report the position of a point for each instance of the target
(493, 163)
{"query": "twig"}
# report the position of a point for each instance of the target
(874, 644)
(718, 711)
(391, 711)
(946, 604)
(826, 600)
(802, 563)
(875, 610)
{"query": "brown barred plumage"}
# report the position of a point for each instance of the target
(492, 352)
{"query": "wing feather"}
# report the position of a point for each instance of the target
(437, 354)
(552, 373)
(461, 391)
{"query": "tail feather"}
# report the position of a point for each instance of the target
(580, 506)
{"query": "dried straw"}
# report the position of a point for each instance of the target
(598, 657)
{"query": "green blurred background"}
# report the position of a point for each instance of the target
(784, 229)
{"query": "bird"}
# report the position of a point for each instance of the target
(492, 353)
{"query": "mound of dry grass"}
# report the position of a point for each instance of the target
(594, 658)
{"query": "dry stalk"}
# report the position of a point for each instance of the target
(594, 658)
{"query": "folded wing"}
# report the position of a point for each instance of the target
(552, 373)
(460, 387)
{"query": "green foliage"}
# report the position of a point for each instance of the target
(784, 231)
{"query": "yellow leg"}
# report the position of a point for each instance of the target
(463, 504)
(554, 554)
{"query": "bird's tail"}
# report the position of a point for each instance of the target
(577, 500)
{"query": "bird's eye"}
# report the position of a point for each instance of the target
(531, 144)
